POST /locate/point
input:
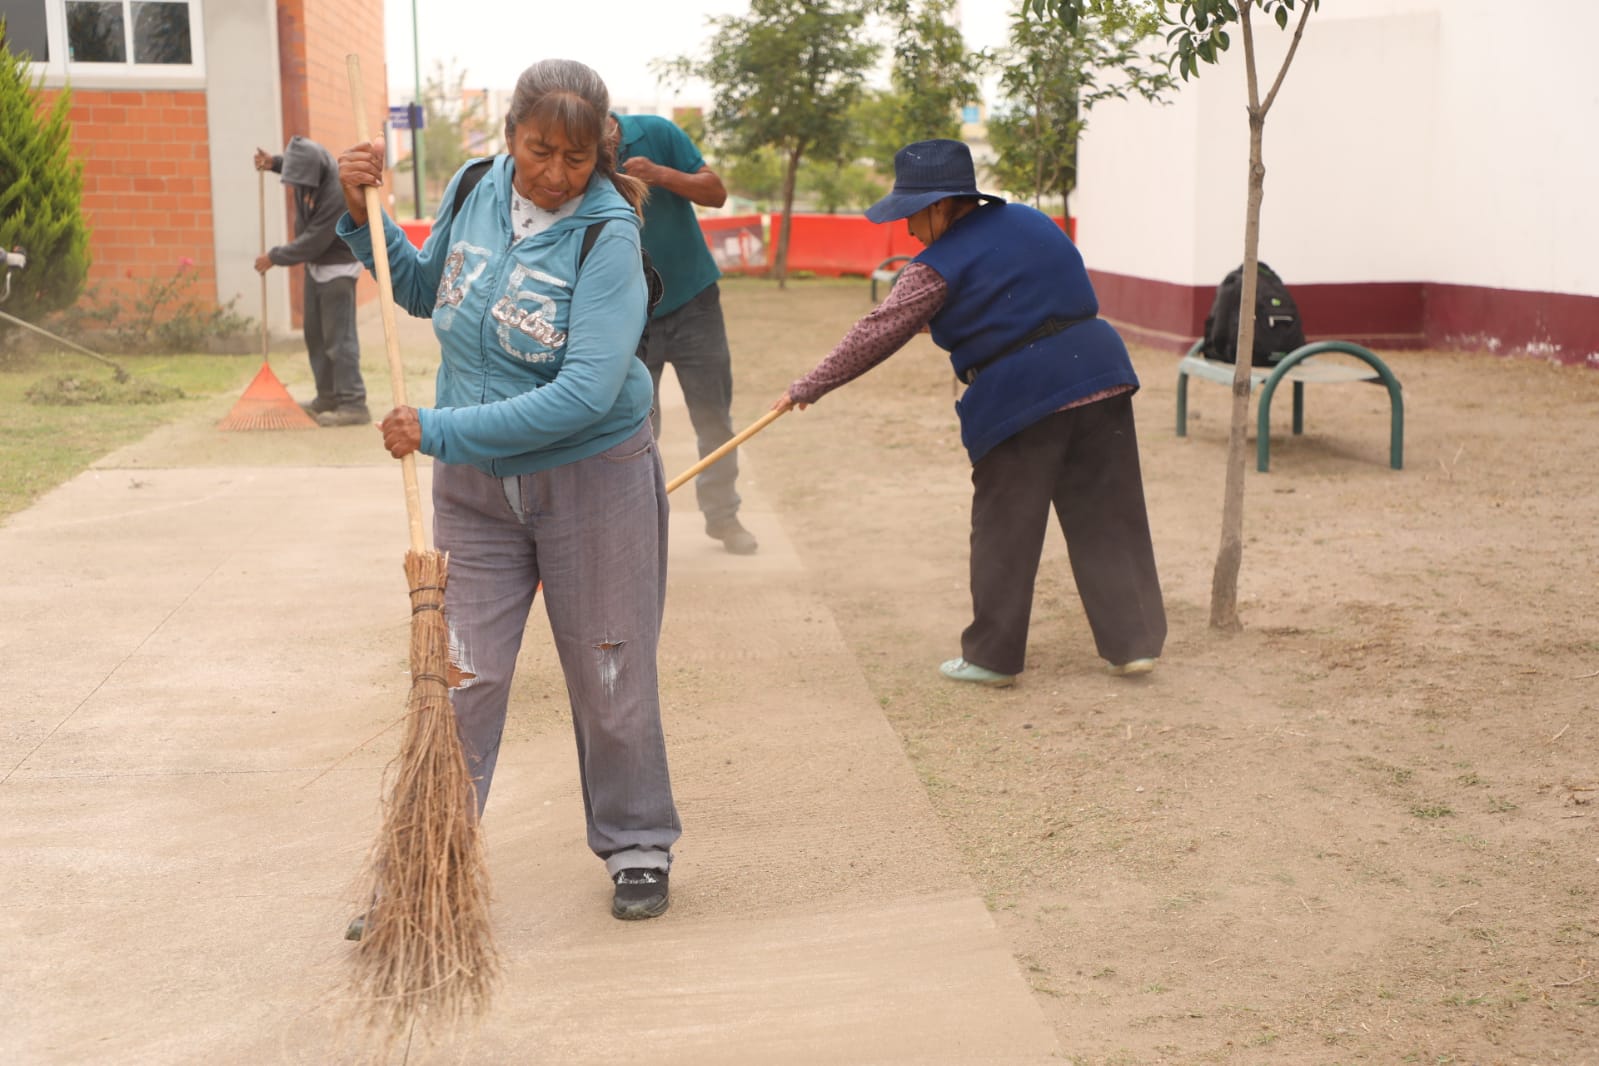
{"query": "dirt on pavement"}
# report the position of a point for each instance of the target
(1361, 830)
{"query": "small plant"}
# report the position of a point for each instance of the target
(163, 315)
(168, 317)
(1432, 810)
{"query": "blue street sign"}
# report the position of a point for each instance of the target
(406, 117)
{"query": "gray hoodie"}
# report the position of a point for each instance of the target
(311, 172)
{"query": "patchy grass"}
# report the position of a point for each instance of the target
(43, 444)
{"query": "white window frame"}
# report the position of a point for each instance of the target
(60, 71)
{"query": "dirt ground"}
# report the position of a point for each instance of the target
(1362, 830)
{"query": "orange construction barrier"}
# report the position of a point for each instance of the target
(830, 245)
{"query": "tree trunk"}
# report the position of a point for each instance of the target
(790, 176)
(1229, 558)
(1230, 555)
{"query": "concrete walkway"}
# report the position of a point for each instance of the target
(202, 642)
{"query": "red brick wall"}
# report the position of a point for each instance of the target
(146, 187)
(314, 39)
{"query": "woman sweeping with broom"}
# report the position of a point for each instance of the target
(1047, 417)
(545, 467)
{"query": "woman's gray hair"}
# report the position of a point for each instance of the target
(569, 95)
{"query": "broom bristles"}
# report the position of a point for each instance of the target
(427, 951)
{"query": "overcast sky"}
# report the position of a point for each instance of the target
(495, 40)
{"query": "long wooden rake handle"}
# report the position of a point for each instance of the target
(380, 259)
(694, 471)
(261, 185)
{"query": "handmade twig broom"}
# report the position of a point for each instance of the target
(427, 949)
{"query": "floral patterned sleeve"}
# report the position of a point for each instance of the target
(913, 301)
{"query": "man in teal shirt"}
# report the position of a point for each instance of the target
(687, 329)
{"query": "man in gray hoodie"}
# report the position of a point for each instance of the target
(331, 271)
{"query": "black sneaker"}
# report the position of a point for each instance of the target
(317, 406)
(639, 894)
(345, 416)
(734, 537)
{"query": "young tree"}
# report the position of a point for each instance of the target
(692, 122)
(872, 131)
(784, 77)
(41, 192)
(457, 128)
(933, 74)
(834, 187)
(1049, 81)
(756, 176)
(821, 185)
(457, 125)
(1199, 35)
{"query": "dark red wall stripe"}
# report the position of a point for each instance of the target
(1377, 314)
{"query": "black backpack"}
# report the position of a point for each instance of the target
(1278, 329)
(473, 173)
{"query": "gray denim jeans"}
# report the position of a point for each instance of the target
(331, 341)
(694, 340)
(594, 532)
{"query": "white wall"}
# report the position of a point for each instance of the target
(244, 112)
(1519, 147)
(1413, 140)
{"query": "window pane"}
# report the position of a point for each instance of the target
(161, 32)
(25, 30)
(94, 32)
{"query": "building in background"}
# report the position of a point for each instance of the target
(171, 98)
(1430, 177)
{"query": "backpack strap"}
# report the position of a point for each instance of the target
(470, 176)
(652, 277)
(590, 235)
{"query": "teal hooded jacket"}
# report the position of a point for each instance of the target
(537, 364)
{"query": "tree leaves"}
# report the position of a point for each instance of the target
(1198, 33)
(41, 193)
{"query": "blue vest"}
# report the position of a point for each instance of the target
(1018, 322)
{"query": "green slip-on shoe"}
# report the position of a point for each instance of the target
(1132, 668)
(961, 670)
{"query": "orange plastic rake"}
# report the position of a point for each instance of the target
(266, 404)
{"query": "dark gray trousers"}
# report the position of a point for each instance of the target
(331, 341)
(1083, 461)
(694, 340)
(594, 532)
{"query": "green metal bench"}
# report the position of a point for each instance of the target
(1299, 367)
(888, 271)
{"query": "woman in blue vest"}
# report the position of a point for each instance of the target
(1047, 416)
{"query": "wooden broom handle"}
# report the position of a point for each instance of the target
(380, 260)
(759, 424)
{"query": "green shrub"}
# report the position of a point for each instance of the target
(41, 193)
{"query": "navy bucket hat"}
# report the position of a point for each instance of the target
(924, 173)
